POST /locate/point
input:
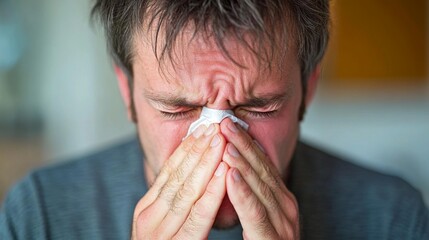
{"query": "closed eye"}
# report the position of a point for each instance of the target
(256, 114)
(178, 115)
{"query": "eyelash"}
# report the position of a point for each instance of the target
(262, 114)
(177, 115)
(188, 113)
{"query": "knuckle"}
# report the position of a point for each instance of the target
(247, 145)
(178, 206)
(294, 214)
(196, 150)
(173, 183)
(266, 177)
(140, 206)
(167, 193)
(139, 229)
(178, 177)
(277, 183)
(187, 145)
(199, 211)
(291, 201)
(194, 220)
(206, 161)
(258, 212)
(179, 237)
(266, 172)
(255, 209)
(188, 191)
(268, 195)
(157, 234)
(247, 170)
(167, 169)
(141, 219)
(189, 229)
(246, 193)
(291, 208)
(289, 231)
(212, 191)
(274, 185)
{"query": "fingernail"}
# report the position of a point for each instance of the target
(236, 175)
(215, 141)
(220, 169)
(209, 130)
(233, 150)
(232, 127)
(259, 146)
(199, 131)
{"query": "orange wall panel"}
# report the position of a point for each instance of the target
(378, 40)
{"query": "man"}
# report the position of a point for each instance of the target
(259, 59)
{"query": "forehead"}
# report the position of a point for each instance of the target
(244, 50)
(259, 50)
(196, 58)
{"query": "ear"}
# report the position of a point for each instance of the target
(312, 84)
(124, 88)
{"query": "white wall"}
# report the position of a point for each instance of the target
(390, 135)
(80, 103)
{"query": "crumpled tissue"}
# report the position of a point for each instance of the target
(209, 116)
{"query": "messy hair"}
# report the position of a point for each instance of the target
(269, 23)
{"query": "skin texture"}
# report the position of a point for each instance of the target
(186, 197)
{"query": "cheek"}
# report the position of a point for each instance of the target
(159, 137)
(278, 138)
(167, 137)
(160, 140)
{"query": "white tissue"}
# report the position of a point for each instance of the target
(209, 116)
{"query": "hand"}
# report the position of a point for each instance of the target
(187, 193)
(265, 207)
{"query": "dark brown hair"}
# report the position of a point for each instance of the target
(265, 21)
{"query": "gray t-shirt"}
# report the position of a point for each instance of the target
(94, 198)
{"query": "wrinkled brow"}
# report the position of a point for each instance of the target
(264, 101)
(172, 101)
(176, 101)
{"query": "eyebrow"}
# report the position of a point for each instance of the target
(263, 101)
(175, 101)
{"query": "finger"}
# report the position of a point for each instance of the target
(204, 211)
(158, 209)
(253, 153)
(193, 188)
(189, 162)
(262, 190)
(260, 163)
(170, 167)
(251, 212)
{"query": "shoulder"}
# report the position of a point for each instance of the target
(330, 170)
(340, 193)
(104, 166)
(75, 197)
(22, 207)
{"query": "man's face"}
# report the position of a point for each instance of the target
(168, 98)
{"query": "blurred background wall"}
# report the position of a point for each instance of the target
(58, 94)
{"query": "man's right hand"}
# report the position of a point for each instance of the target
(187, 193)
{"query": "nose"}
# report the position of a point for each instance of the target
(224, 105)
(220, 100)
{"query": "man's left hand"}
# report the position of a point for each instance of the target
(265, 207)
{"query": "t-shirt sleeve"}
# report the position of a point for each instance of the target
(21, 214)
